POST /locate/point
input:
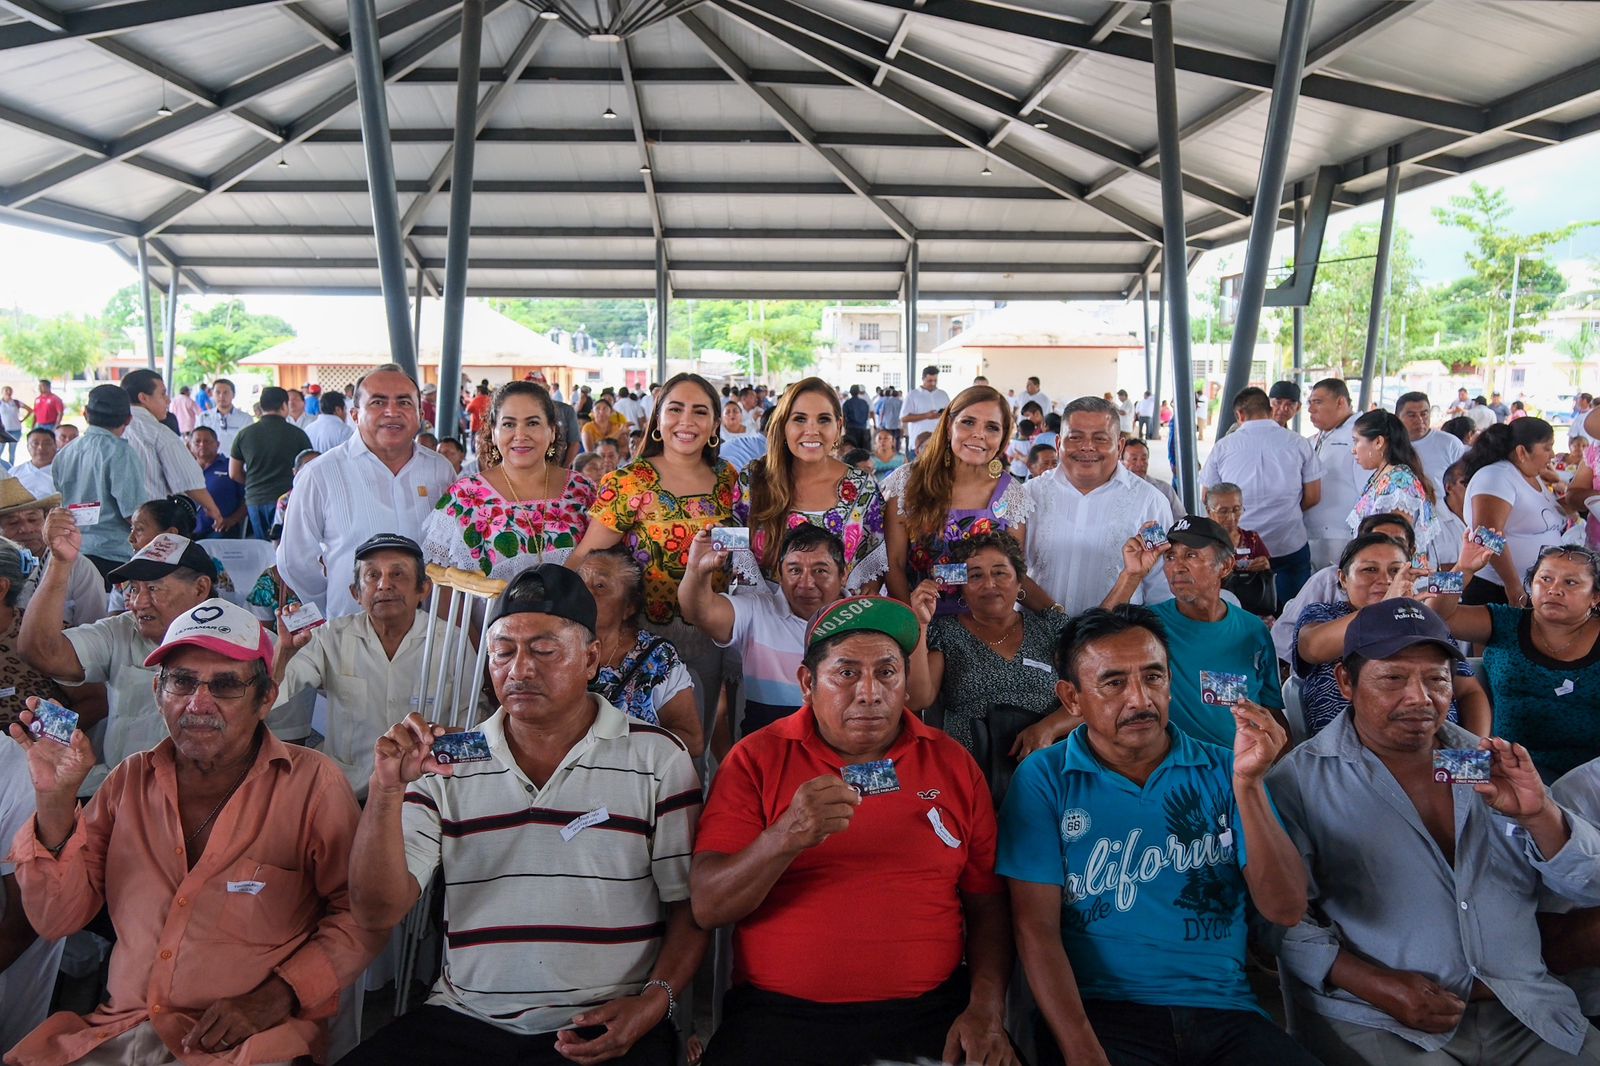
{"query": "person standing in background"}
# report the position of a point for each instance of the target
(225, 419)
(48, 410)
(12, 412)
(104, 469)
(262, 459)
(1327, 523)
(186, 411)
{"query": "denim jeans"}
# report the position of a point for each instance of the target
(1136, 1034)
(1291, 572)
(261, 516)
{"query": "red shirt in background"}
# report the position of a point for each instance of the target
(48, 410)
(477, 410)
(874, 912)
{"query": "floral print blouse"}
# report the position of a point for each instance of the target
(856, 518)
(473, 527)
(1008, 506)
(657, 526)
(1393, 489)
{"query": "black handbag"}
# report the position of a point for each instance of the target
(1257, 593)
(993, 734)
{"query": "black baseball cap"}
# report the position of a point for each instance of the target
(1192, 531)
(549, 589)
(394, 542)
(165, 553)
(1285, 390)
(1389, 627)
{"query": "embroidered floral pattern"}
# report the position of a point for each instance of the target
(474, 527)
(856, 519)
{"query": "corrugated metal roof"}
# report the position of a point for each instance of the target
(913, 98)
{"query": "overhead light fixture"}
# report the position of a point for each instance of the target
(986, 172)
(164, 110)
(605, 38)
(1145, 19)
(1040, 124)
(550, 14)
(608, 113)
(644, 168)
(283, 164)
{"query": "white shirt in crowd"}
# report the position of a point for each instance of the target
(367, 691)
(1272, 465)
(27, 984)
(1328, 523)
(1146, 407)
(169, 469)
(1075, 539)
(226, 426)
(112, 652)
(1125, 411)
(631, 409)
(1482, 417)
(86, 594)
(1438, 451)
(1169, 494)
(1024, 398)
(1536, 520)
(36, 479)
(339, 501)
(327, 432)
(918, 401)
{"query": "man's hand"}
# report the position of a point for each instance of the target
(1418, 1002)
(925, 601)
(62, 537)
(624, 1020)
(405, 753)
(1139, 560)
(978, 1037)
(56, 769)
(1514, 787)
(821, 807)
(212, 511)
(704, 558)
(230, 1022)
(1258, 740)
(1043, 733)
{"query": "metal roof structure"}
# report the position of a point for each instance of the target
(778, 148)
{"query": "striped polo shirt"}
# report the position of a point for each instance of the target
(555, 897)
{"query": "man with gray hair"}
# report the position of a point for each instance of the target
(1086, 509)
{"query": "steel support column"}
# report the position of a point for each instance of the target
(143, 252)
(913, 282)
(1269, 193)
(1299, 311)
(368, 54)
(171, 324)
(416, 307)
(1161, 355)
(1144, 298)
(1380, 283)
(662, 299)
(1175, 253)
(457, 250)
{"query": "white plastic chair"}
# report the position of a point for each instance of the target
(245, 561)
(1294, 711)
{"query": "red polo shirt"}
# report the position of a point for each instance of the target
(874, 912)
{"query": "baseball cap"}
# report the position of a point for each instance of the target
(314, 390)
(219, 626)
(1389, 627)
(380, 542)
(1285, 390)
(1192, 531)
(108, 403)
(867, 614)
(549, 589)
(165, 553)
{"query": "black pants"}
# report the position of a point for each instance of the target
(437, 1035)
(858, 436)
(1135, 1034)
(766, 1029)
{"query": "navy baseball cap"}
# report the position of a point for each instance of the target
(1389, 627)
(388, 542)
(549, 589)
(1193, 531)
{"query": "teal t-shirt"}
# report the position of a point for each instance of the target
(1239, 644)
(1543, 704)
(1153, 890)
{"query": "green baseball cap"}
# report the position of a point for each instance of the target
(867, 614)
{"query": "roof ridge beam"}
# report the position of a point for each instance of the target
(116, 18)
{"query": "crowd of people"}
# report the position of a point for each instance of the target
(981, 745)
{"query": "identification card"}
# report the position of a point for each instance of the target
(1461, 766)
(1495, 542)
(727, 538)
(940, 831)
(303, 617)
(950, 573)
(53, 721)
(872, 778)
(1444, 583)
(584, 821)
(248, 888)
(1222, 689)
(84, 514)
(1152, 535)
(471, 746)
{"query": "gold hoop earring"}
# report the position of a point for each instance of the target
(996, 468)
(714, 441)
(1021, 595)
(655, 435)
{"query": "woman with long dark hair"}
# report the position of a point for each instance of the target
(800, 481)
(522, 508)
(1506, 493)
(1380, 443)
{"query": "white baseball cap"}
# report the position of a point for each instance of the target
(219, 626)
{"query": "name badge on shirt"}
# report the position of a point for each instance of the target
(584, 821)
(248, 888)
(1563, 689)
(1036, 664)
(8, 692)
(422, 490)
(940, 831)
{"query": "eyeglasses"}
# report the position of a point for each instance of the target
(223, 688)
(1589, 555)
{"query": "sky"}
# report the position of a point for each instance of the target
(46, 275)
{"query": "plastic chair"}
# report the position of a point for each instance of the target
(245, 561)
(1294, 711)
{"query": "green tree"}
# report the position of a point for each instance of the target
(219, 338)
(56, 348)
(1336, 320)
(1579, 349)
(1498, 256)
(780, 338)
(622, 321)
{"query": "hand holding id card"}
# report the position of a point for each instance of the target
(452, 748)
(51, 721)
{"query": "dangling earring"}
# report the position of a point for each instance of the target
(996, 468)
(494, 455)
(1021, 595)
(655, 435)
(714, 441)
(550, 456)
(949, 458)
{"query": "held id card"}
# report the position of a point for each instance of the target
(872, 778)
(1461, 766)
(727, 538)
(950, 573)
(1152, 535)
(303, 617)
(53, 721)
(471, 746)
(1495, 542)
(1222, 689)
(84, 515)
(1444, 583)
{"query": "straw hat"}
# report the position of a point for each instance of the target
(14, 498)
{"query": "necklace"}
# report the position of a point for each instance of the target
(1558, 651)
(1016, 619)
(255, 750)
(518, 497)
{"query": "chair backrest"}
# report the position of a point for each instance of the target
(245, 561)
(1294, 711)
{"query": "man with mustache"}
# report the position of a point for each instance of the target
(565, 857)
(1422, 940)
(222, 855)
(1131, 850)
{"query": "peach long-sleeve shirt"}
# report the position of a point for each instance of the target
(269, 895)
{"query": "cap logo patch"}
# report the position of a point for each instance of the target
(1408, 614)
(206, 614)
(1181, 525)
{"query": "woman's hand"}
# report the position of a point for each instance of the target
(925, 601)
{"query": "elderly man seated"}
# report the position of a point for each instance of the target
(368, 664)
(168, 577)
(1132, 852)
(22, 518)
(1205, 633)
(852, 849)
(222, 855)
(1422, 942)
(768, 631)
(565, 853)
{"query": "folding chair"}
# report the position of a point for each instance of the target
(461, 592)
(1294, 710)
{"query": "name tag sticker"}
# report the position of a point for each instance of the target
(7, 693)
(1036, 664)
(940, 831)
(1563, 689)
(584, 821)
(248, 888)
(1226, 838)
